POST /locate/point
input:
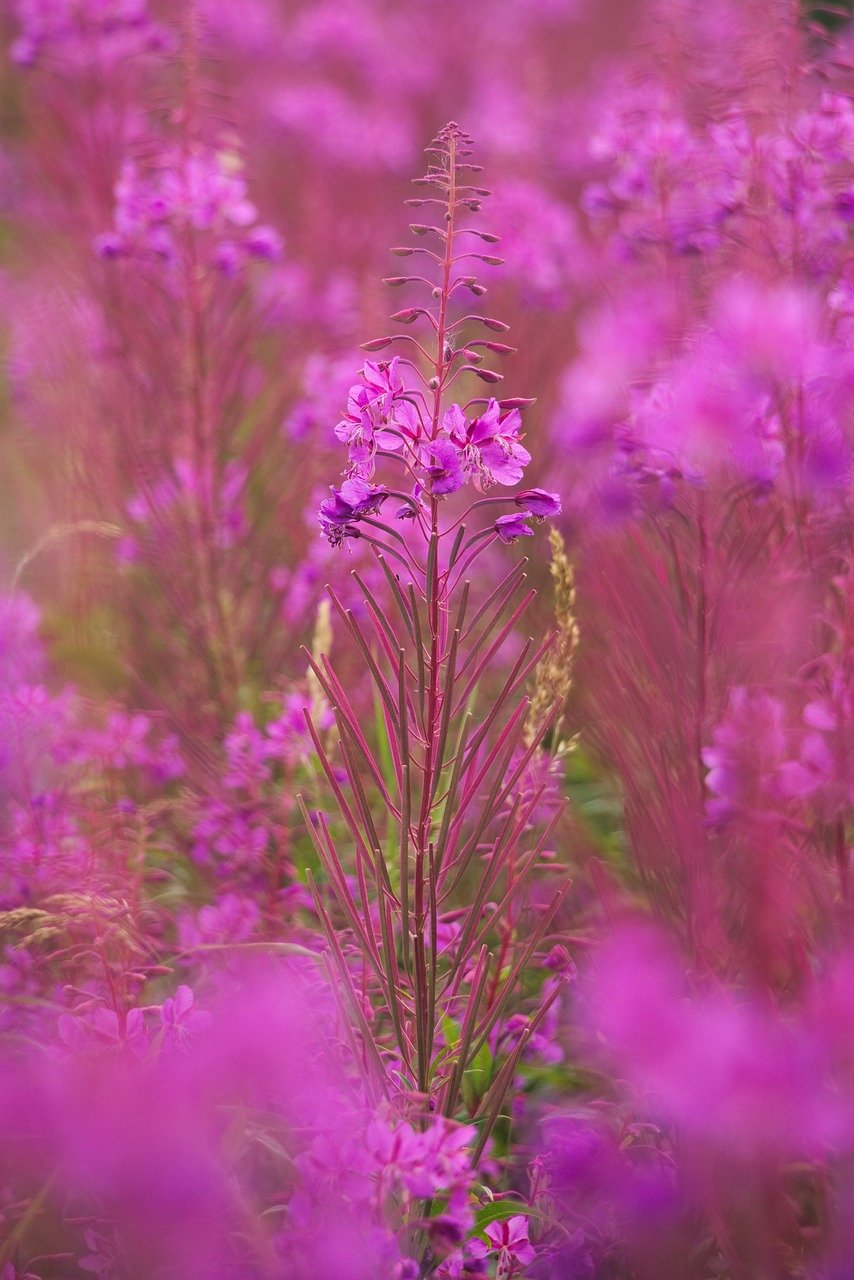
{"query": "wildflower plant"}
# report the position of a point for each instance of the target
(434, 882)
(214, 1063)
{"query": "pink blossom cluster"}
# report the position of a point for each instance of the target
(85, 30)
(385, 420)
(203, 191)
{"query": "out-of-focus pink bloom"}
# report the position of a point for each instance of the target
(741, 1081)
(22, 657)
(544, 254)
(203, 193)
(746, 759)
(771, 334)
(181, 1020)
(103, 1029)
(232, 834)
(85, 31)
(232, 918)
(245, 752)
(348, 129)
(288, 738)
(825, 764)
(664, 182)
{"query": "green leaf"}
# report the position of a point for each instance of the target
(451, 1031)
(477, 1076)
(497, 1211)
(383, 746)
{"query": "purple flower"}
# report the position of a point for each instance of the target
(735, 1076)
(371, 406)
(288, 739)
(511, 527)
(104, 1030)
(538, 503)
(231, 919)
(445, 472)
(245, 751)
(489, 445)
(746, 757)
(509, 1239)
(181, 1020)
(355, 499)
(101, 32)
(204, 192)
(263, 242)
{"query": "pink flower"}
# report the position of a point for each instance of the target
(509, 1239)
(444, 472)
(355, 499)
(746, 757)
(511, 528)
(206, 193)
(538, 503)
(181, 1020)
(370, 411)
(104, 1030)
(489, 445)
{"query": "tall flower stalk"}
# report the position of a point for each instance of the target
(443, 840)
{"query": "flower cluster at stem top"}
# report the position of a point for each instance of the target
(385, 419)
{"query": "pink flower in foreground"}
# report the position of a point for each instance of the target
(538, 503)
(444, 470)
(509, 1239)
(355, 499)
(490, 446)
(370, 408)
(510, 528)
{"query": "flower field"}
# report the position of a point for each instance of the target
(426, 677)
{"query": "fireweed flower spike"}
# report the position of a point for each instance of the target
(412, 830)
(438, 445)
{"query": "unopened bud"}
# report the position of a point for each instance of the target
(500, 348)
(497, 325)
